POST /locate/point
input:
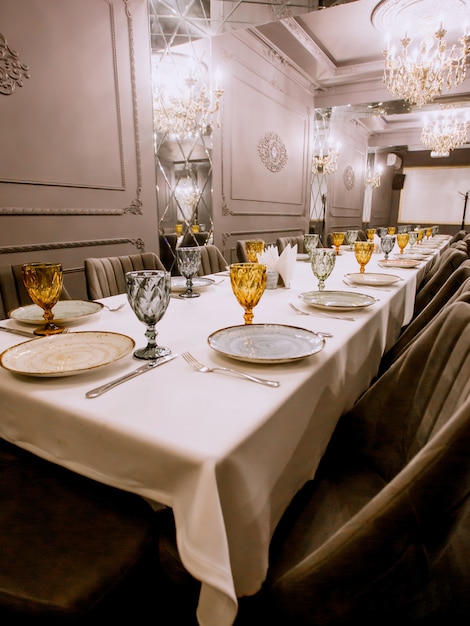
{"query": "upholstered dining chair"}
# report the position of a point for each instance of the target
(105, 276)
(241, 251)
(460, 234)
(195, 239)
(72, 551)
(374, 537)
(281, 243)
(456, 287)
(434, 279)
(13, 293)
(212, 260)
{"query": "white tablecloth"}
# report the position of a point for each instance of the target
(226, 454)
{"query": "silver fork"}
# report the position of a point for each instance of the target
(336, 317)
(114, 308)
(189, 358)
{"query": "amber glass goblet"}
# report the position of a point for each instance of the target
(420, 235)
(337, 239)
(323, 261)
(428, 233)
(402, 241)
(248, 282)
(254, 247)
(43, 282)
(391, 230)
(370, 232)
(178, 229)
(363, 251)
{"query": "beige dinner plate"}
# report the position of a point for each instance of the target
(401, 263)
(337, 300)
(266, 343)
(66, 354)
(372, 279)
(64, 311)
(178, 283)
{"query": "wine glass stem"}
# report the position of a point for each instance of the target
(248, 316)
(189, 286)
(321, 285)
(151, 335)
(362, 269)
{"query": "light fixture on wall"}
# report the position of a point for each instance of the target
(373, 180)
(425, 64)
(325, 155)
(445, 132)
(182, 106)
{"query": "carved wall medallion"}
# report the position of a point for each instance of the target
(348, 177)
(272, 151)
(12, 71)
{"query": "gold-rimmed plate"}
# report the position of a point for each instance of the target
(64, 311)
(337, 300)
(372, 279)
(66, 354)
(178, 283)
(266, 343)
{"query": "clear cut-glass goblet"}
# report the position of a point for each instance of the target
(43, 282)
(311, 241)
(148, 293)
(363, 251)
(412, 238)
(188, 260)
(323, 261)
(387, 243)
(351, 238)
(248, 282)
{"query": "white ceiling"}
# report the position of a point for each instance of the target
(341, 52)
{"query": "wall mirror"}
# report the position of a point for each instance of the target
(187, 92)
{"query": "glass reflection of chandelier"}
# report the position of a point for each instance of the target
(182, 106)
(425, 64)
(373, 180)
(444, 133)
(325, 156)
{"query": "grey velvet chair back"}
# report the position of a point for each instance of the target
(13, 292)
(449, 261)
(212, 260)
(105, 276)
(281, 243)
(372, 537)
(457, 286)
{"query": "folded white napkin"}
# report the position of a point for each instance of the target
(283, 263)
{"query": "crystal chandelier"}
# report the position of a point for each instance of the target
(373, 180)
(325, 156)
(188, 115)
(444, 133)
(419, 76)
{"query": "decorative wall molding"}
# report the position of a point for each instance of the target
(6, 210)
(272, 152)
(12, 71)
(61, 245)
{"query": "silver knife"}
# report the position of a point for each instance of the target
(94, 393)
(17, 331)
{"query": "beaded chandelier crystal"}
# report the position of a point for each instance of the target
(424, 63)
(444, 133)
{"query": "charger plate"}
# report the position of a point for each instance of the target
(266, 343)
(64, 311)
(337, 300)
(178, 283)
(66, 354)
(371, 278)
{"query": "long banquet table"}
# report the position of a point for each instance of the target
(226, 454)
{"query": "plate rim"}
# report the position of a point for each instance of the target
(414, 263)
(346, 307)
(207, 281)
(249, 327)
(59, 320)
(60, 337)
(397, 278)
